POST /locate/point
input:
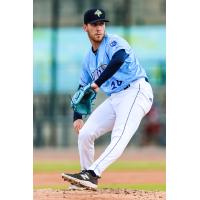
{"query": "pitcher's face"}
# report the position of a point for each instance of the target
(95, 31)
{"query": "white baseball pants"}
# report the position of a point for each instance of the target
(122, 113)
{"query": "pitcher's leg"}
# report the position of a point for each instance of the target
(121, 137)
(100, 122)
(127, 122)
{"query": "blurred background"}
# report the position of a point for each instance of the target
(59, 46)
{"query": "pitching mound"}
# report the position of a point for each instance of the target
(100, 194)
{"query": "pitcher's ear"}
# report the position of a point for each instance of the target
(85, 27)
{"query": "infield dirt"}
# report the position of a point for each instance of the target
(103, 194)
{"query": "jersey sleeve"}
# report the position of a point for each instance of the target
(85, 78)
(115, 44)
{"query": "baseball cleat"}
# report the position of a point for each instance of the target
(82, 179)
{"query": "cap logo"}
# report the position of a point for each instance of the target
(98, 12)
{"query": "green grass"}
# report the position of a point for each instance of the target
(44, 166)
(55, 166)
(61, 166)
(146, 187)
(139, 165)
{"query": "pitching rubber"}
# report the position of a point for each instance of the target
(86, 184)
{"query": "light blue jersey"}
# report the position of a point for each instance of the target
(94, 65)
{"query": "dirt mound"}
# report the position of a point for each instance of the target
(100, 194)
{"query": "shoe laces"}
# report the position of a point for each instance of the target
(83, 171)
(88, 172)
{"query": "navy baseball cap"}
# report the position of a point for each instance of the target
(94, 15)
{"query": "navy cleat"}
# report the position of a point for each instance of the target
(84, 179)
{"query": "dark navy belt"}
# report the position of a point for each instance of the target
(146, 79)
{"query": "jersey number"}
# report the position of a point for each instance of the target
(115, 84)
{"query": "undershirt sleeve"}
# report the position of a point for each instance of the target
(115, 63)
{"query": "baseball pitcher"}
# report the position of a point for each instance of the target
(110, 65)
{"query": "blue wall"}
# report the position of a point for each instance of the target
(147, 41)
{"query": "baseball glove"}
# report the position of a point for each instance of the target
(82, 100)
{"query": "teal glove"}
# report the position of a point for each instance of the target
(81, 101)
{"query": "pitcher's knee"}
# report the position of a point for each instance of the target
(85, 136)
